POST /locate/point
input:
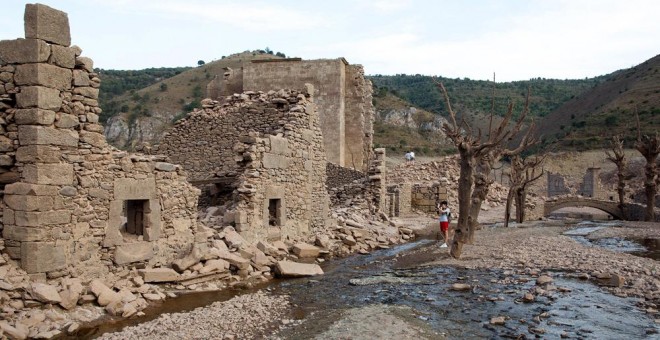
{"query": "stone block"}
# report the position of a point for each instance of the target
(23, 51)
(88, 92)
(42, 218)
(6, 144)
(80, 78)
(273, 161)
(38, 154)
(153, 275)
(39, 96)
(24, 234)
(134, 189)
(43, 22)
(43, 75)
(279, 145)
(306, 250)
(63, 56)
(99, 193)
(163, 166)
(67, 121)
(85, 63)
(133, 252)
(29, 203)
(294, 269)
(34, 116)
(45, 293)
(54, 174)
(41, 135)
(93, 139)
(41, 257)
(6, 160)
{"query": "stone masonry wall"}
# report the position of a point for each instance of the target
(359, 119)
(271, 143)
(329, 79)
(338, 176)
(64, 188)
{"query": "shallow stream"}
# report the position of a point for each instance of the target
(393, 277)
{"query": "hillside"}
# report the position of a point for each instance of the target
(608, 108)
(400, 127)
(142, 114)
(475, 96)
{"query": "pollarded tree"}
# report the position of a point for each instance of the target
(523, 173)
(478, 154)
(649, 147)
(618, 157)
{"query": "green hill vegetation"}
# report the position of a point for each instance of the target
(588, 120)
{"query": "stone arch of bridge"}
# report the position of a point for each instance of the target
(610, 208)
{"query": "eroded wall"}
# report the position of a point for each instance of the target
(272, 146)
(64, 187)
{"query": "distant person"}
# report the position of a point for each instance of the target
(408, 157)
(412, 157)
(445, 218)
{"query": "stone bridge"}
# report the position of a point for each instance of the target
(634, 211)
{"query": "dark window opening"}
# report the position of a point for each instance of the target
(274, 212)
(136, 212)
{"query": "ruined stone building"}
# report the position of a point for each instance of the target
(342, 95)
(260, 157)
(71, 203)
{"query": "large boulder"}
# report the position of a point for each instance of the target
(295, 269)
(45, 293)
(306, 250)
(151, 275)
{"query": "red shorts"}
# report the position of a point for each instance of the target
(444, 226)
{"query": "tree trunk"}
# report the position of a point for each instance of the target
(650, 187)
(621, 191)
(507, 209)
(482, 184)
(521, 197)
(463, 232)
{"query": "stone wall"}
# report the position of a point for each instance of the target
(556, 185)
(342, 96)
(270, 147)
(399, 200)
(65, 190)
(424, 197)
(339, 176)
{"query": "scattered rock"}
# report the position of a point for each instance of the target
(498, 320)
(543, 279)
(461, 287)
(45, 293)
(295, 269)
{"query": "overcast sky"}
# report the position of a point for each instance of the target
(517, 39)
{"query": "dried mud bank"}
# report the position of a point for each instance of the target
(243, 317)
(537, 252)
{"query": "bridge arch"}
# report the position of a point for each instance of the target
(608, 207)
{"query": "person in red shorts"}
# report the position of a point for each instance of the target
(445, 218)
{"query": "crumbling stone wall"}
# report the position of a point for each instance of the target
(339, 176)
(556, 185)
(399, 200)
(342, 96)
(271, 144)
(64, 187)
(425, 197)
(377, 186)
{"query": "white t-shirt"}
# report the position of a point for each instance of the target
(412, 155)
(444, 215)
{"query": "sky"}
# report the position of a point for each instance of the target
(516, 39)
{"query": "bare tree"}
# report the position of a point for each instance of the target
(649, 147)
(523, 173)
(478, 154)
(618, 157)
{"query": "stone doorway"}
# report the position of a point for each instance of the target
(275, 212)
(136, 212)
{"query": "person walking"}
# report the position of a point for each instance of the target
(445, 219)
